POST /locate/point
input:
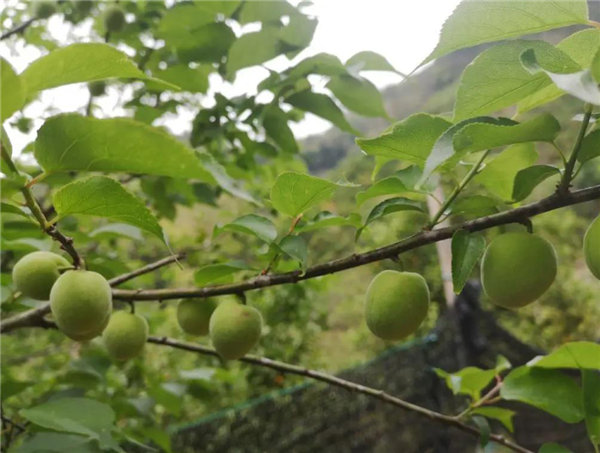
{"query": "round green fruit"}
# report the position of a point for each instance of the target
(234, 329)
(125, 335)
(97, 88)
(591, 247)
(114, 19)
(81, 302)
(35, 273)
(193, 315)
(43, 10)
(517, 268)
(397, 304)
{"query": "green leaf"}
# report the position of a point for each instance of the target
(295, 193)
(595, 67)
(579, 84)
(253, 224)
(188, 79)
(265, 12)
(326, 219)
(276, 126)
(581, 47)
(218, 273)
(169, 396)
(590, 147)
(553, 448)
(498, 175)
(80, 62)
(484, 430)
(73, 142)
(209, 43)
(391, 185)
(496, 79)
(321, 63)
(299, 32)
(323, 106)
(73, 415)
(101, 196)
(468, 381)
(467, 248)
(504, 416)
(474, 23)
(369, 61)
(12, 89)
(57, 442)
(117, 229)
(358, 95)
(390, 206)
(474, 205)
(480, 136)
(253, 48)
(295, 247)
(529, 178)
(547, 389)
(409, 140)
(577, 354)
(220, 176)
(591, 404)
(10, 208)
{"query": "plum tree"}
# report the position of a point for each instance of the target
(517, 268)
(36, 272)
(43, 10)
(125, 335)
(234, 329)
(193, 315)
(396, 304)
(114, 19)
(591, 247)
(81, 302)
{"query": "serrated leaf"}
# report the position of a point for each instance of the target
(392, 205)
(474, 23)
(496, 79)
(80, 62)
(482, 136)
(295, 247)
(253, 224)
(73, 142)
(504, 416)
(529, 178)
(295, 193)
(577, 354)
(358, 95)
(590, 381)
(590, 147)
(218, 273)
(101, 196)
(467, 249)
(323, 106)
(409, 140)
(547, 389)
(580, 84)
(13, 90)
(499, 174)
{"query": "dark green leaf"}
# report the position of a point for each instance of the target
(577, 354)
(409, 140)
(546, 389)
(295, 193)
(358, 95)
(323, 106)
(218, 273)
(253, 224)
(295, 247)
(392, 205)
(391, 185)
(484, 429)
(101, 196)
(553, 448)
(590, 147)
(58, 442)
(209, 43)
(467, 248)
(529, 178)
(276, 126)
(591, 404)
(474, 23)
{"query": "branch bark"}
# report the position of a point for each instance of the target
(517, 215)
(146, 269)
(348, 385)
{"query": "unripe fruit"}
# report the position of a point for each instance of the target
(125, 335)
(84, 6)
(517, 268)
(114, 19)
(397, 304)
(81, 302)
(193, 315)
(591, 247)
(35, 273)
(234, 329)
(43, 10)
(97, 88)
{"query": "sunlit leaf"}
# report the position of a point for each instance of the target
(323, 106)
(577, 354)
(295, 193)
(12, 89)
(467, 249)
(253, 224)
(358, 95)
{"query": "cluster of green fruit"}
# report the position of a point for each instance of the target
(81, 303)
(516, 269)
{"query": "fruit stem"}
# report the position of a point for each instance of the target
(565, 183)
(472, 172)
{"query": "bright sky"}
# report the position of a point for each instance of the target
(403, 31)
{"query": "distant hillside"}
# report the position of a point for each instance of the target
(431, 90)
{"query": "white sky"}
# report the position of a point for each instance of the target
(403, 31)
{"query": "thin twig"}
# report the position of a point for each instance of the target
(146, 269)
(348, 385)
(18, 29)
(517, 215)
(565, 182)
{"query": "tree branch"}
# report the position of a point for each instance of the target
(554, 201)
(18, 29)
(348, 385)
(146, 269)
